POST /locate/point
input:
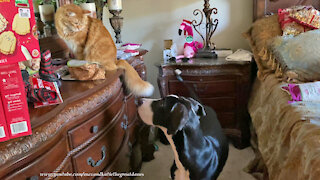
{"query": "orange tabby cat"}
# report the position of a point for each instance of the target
(89, 40)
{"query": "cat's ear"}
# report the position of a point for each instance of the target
(86, 12)
(71, 14)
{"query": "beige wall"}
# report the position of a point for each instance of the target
(151, 21)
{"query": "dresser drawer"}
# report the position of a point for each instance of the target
(101, 152)
(227, 119)
(204, 88)
(220, 103)
(121, 165)
(93, 126)
(131, 109)
(45, 163)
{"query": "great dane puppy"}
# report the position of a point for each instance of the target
(200, 148)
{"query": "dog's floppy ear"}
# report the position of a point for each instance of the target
(197, 107)
(178, 118)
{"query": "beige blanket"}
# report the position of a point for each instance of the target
(288, 136)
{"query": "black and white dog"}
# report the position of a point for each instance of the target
(194, 133)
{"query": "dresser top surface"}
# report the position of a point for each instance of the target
(71, 91)
(206, 62)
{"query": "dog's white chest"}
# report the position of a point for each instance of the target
(181, 174)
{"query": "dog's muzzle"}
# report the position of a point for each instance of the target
(145, 111)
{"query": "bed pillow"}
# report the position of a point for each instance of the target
(264, 29)
(298, 57)
(259, 36)
(309, 92)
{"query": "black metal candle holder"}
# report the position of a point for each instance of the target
(211, 25)
(116, 22)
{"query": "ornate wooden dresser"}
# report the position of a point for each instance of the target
(222, 85)
(92, 131)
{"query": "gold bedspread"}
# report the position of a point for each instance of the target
(287, 135)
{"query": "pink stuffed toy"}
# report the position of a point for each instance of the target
(190, 47)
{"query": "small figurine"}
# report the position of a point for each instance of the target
(37, 94)
(44, 66)
(190, 47)
(46, 73)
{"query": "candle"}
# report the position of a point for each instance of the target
(115, 4)
(46, 12)
(35, 6)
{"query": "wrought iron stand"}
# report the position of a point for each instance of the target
(211, 25)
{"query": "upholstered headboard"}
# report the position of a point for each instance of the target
(263, 7)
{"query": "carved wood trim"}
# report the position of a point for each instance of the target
(51, 129)
(92, 88)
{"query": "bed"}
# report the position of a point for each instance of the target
(285, 137)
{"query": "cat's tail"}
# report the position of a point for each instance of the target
(133, 81)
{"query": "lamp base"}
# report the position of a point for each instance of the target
(47, 29)
(116, 22)
(206, 53)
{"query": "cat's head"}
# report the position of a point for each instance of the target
(70, 19)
